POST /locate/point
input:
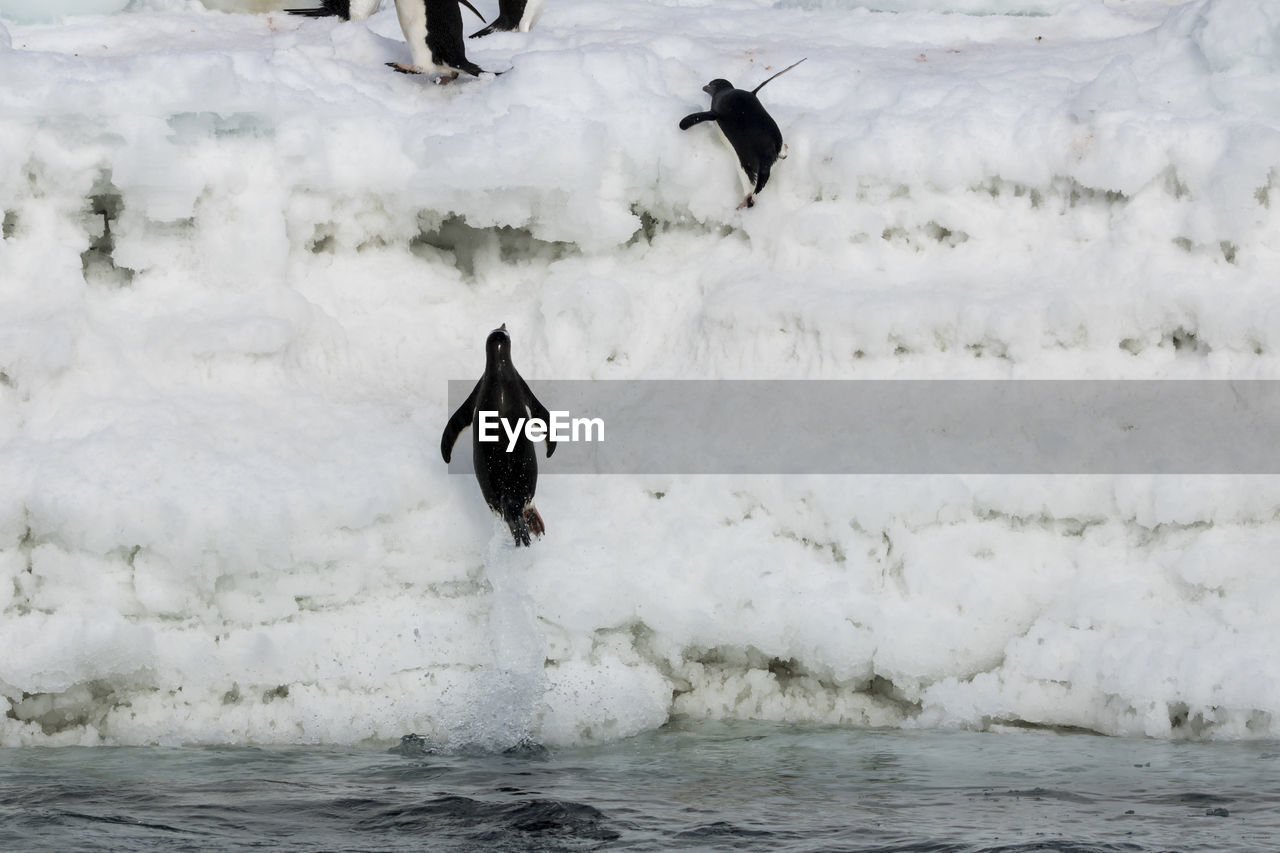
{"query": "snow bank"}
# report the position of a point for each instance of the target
(241, 260)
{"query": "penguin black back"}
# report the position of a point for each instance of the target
(747, 126)
(507, 474)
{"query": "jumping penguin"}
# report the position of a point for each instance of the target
(751, 131)
(432, 29)
(518, 15)
(508, 479)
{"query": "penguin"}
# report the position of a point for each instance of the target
(432, 28)
(751, 131)
(518, 15)
(508, 479)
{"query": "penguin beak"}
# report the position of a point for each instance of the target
(503, 327)
(707, 89)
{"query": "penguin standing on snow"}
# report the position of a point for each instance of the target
(432, 28)
(518, 15)
(751, 131)
(508, 478)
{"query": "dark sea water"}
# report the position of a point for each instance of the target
(685, 787)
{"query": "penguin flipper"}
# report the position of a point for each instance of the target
(539, 411)
(695, 118)
(326, 9)
(481, 17)
(458, 421)
(779, 74)
(502, 22)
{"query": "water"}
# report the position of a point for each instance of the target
(685, 787)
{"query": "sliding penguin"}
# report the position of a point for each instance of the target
(432, 29)
(507, 479)
(751, 131)
(518, 15)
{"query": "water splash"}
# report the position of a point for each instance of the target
(506, 696)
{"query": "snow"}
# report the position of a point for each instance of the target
(241, 260)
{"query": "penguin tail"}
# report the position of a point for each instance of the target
(762, 177)
(327, 8)
(516, 522)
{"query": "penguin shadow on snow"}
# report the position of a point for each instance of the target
(506, 469)
(747, 127)
(432, 30)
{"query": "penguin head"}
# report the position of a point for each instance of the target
(717, 85)
(497, 348)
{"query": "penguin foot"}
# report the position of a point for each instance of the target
(749, 201)
(534, 520)
(403, 69)
(446, 78)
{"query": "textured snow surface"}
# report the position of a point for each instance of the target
(241, 259)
